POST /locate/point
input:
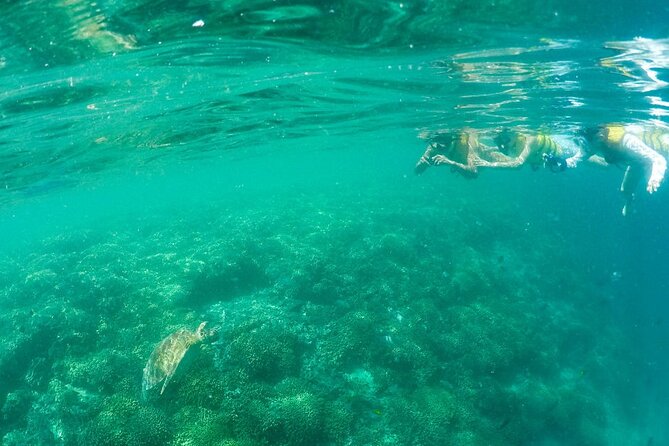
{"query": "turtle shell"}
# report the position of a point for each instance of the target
(167, 355)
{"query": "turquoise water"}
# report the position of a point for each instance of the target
(255, 171)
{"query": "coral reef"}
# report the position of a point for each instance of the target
(336, 327)
(124, 421)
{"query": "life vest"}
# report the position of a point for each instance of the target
(655, 137)
(545, 145)
(613, 134)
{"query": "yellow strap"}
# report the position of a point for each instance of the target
(543, 142)
(614, 134)
(547, 145)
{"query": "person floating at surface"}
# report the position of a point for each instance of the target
(555, 152)
(638, 148)
(461, 150)
(633, 146)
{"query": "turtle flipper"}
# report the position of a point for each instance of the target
(167, 379)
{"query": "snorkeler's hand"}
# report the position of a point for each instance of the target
(656, 177)
(599, 160)
(571, 162)
(653, 184)
(440, 159)
(422, 164)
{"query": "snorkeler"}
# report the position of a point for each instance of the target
(638, 148)
(635, 146)
(554, 152)
(461, 150)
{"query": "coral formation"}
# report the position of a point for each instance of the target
(141, 424)
(332, 328)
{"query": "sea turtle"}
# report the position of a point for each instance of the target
(167, 355)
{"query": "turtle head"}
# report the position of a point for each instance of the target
(200, 330)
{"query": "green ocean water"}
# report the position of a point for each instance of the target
(250, 164)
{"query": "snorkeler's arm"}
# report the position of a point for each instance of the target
(575, 159)
(526, 152)
(426, 159)
(658, 165)
(492, 153)
(518, 160)
(439, 160)
(500, 159)
(495, 158)
(597, 159)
